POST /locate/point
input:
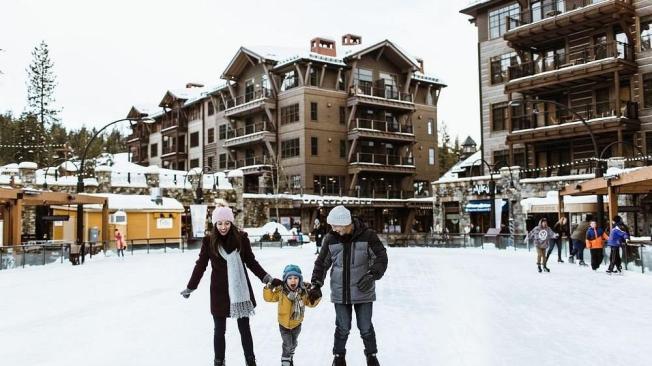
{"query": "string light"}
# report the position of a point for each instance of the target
(35, 146)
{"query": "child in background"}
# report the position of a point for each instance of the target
(292, 298)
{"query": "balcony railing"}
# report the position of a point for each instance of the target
(173, 149)
(586, 111)
(383, 126)
(169, 122)
(601, 51)
(387, 92)
(247, 130)
(253, 160)
(646, 42)
(383, 159)
(260, 93)
(548, 9)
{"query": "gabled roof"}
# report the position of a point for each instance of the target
(138, 110)
(243, 57)
(469, 142)
(359, 50)
(187, 94)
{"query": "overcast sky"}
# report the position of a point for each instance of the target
(110, 55)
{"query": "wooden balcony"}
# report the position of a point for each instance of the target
(385, 97)
(601, 117)
(173, 124)
(250, 103)
(381, 130)
(173, 153)
(384, 163)
(580, 66)
(555, 19)
(249, 135)
(253, 165)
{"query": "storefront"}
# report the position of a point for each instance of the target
(479, 212)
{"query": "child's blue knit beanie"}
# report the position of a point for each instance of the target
(292, 270)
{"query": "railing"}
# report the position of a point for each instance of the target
(260, 93)
(383, 159)
(575, 57)
(253, 160)
(388, 92)
(382, 126)
(587, 111)
(646, 42)
(173, 149)
(548, 9)
(172, 122)
(247, 130)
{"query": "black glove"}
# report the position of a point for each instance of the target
(366, 282)
(314, 293)
(275, 282)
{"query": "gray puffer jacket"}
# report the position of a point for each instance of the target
(350, 257)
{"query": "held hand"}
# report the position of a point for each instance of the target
(366, 282)
(186, 293)
(275, 282)
(314, 293)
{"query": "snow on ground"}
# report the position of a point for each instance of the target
(435, 307)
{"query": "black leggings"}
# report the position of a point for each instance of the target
(556, 242)
(245, 337)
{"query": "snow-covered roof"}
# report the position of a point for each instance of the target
(177, 179)
(428, 78)
(68, 166)
(130, 202)
(552, 198)
(459, 167)
(27, 165)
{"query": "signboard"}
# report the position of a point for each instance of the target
(480, 189)
(55, 218)
(164, 223)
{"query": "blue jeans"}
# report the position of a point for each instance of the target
(578, 247)
(363, 313)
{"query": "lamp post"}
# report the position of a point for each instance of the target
(596, 151)
(80, 175)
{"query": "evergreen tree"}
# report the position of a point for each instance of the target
(41, 82)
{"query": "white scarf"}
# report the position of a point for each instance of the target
(241, 305)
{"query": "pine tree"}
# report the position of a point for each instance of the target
(41, 82)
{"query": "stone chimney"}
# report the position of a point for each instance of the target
(27, 173)
(351, 40)
(420, 61)
(103, 175)
(194, 85)
(323, 46)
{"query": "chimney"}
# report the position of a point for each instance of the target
(194, 85)
(323, 46)
(420, 61)
(351, 40)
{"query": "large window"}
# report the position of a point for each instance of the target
(211, 135)
(153, 150)
(209, 162)
(210, 108)
(500, 66)
(194, 163)
(290, 80)
(328, 184)
(194, 139)
(314, 146)
(647, 90)
(431, 124)
(498, 117)
(646, 35)
(313, 111)
(222, 132)
(290, 148)
(290, 114)
(364, 79)
(222, 161)
(498, 19)
(295, 181)
(431, 156)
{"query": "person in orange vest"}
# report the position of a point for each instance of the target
(595, 237)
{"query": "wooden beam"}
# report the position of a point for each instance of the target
(354, 145)
(226, 105)
(231, 91)
(300, 74)
(105, 223)
(408, 80)
(270, 149)
(6, 227)
(380, 53)
(351, 117)
(416, 92)
(337, 79)
(271, 77)
(323, 73)
(307, 78)
(354, 182)
(613, 202)
(270, 116)
(560, 206)
(349, 82)
(617, 91)
(16, 221)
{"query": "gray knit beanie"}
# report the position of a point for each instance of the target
(339, 216)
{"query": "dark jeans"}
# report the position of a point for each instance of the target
(614, 259)
(597, 255)
(363, 313)
(556, 242)
(245, 337)
(121, 252)
(578, 249)
(290, 339)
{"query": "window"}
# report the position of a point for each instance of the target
(313, 111)
(290, 80)
(498, 19)
(194, 163)
(431, 123)
(647, 90)
(194, 139)
(502, 157)
(153, 150)
(211, 109)
(363, 78)
(222, 161)
(314, 77)
(646, 36)
(498, 117)
(290, 148)
(209, 162)
(324, 184)
(222, 132)
(342, 149)
(211, 135)
(431, 156)
(500, 66)
(290, 114)
(295, 181)
(314, 146)
(249, 90)
(342, 115)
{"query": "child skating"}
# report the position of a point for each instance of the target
(292, 299)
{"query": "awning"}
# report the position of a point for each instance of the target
(482, 206)
(550, 204)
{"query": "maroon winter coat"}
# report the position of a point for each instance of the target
(220, 304)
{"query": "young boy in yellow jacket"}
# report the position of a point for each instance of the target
(292, 299)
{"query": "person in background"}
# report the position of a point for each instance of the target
(541, 236)
(617, 237)
(560, 228)
(578, 239)
(595, 237)
(120, 242)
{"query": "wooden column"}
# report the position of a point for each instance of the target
(298, 69)
(620, 142)
(6, 228)
(617, 92)
(105, 224)
(337, 79)
(321, 78)
(509, 113)
(307, 78)
(511, 155)
(560, 205)
(613, 202)
(16, 221)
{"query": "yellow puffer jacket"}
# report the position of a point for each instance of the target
(285, 305)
